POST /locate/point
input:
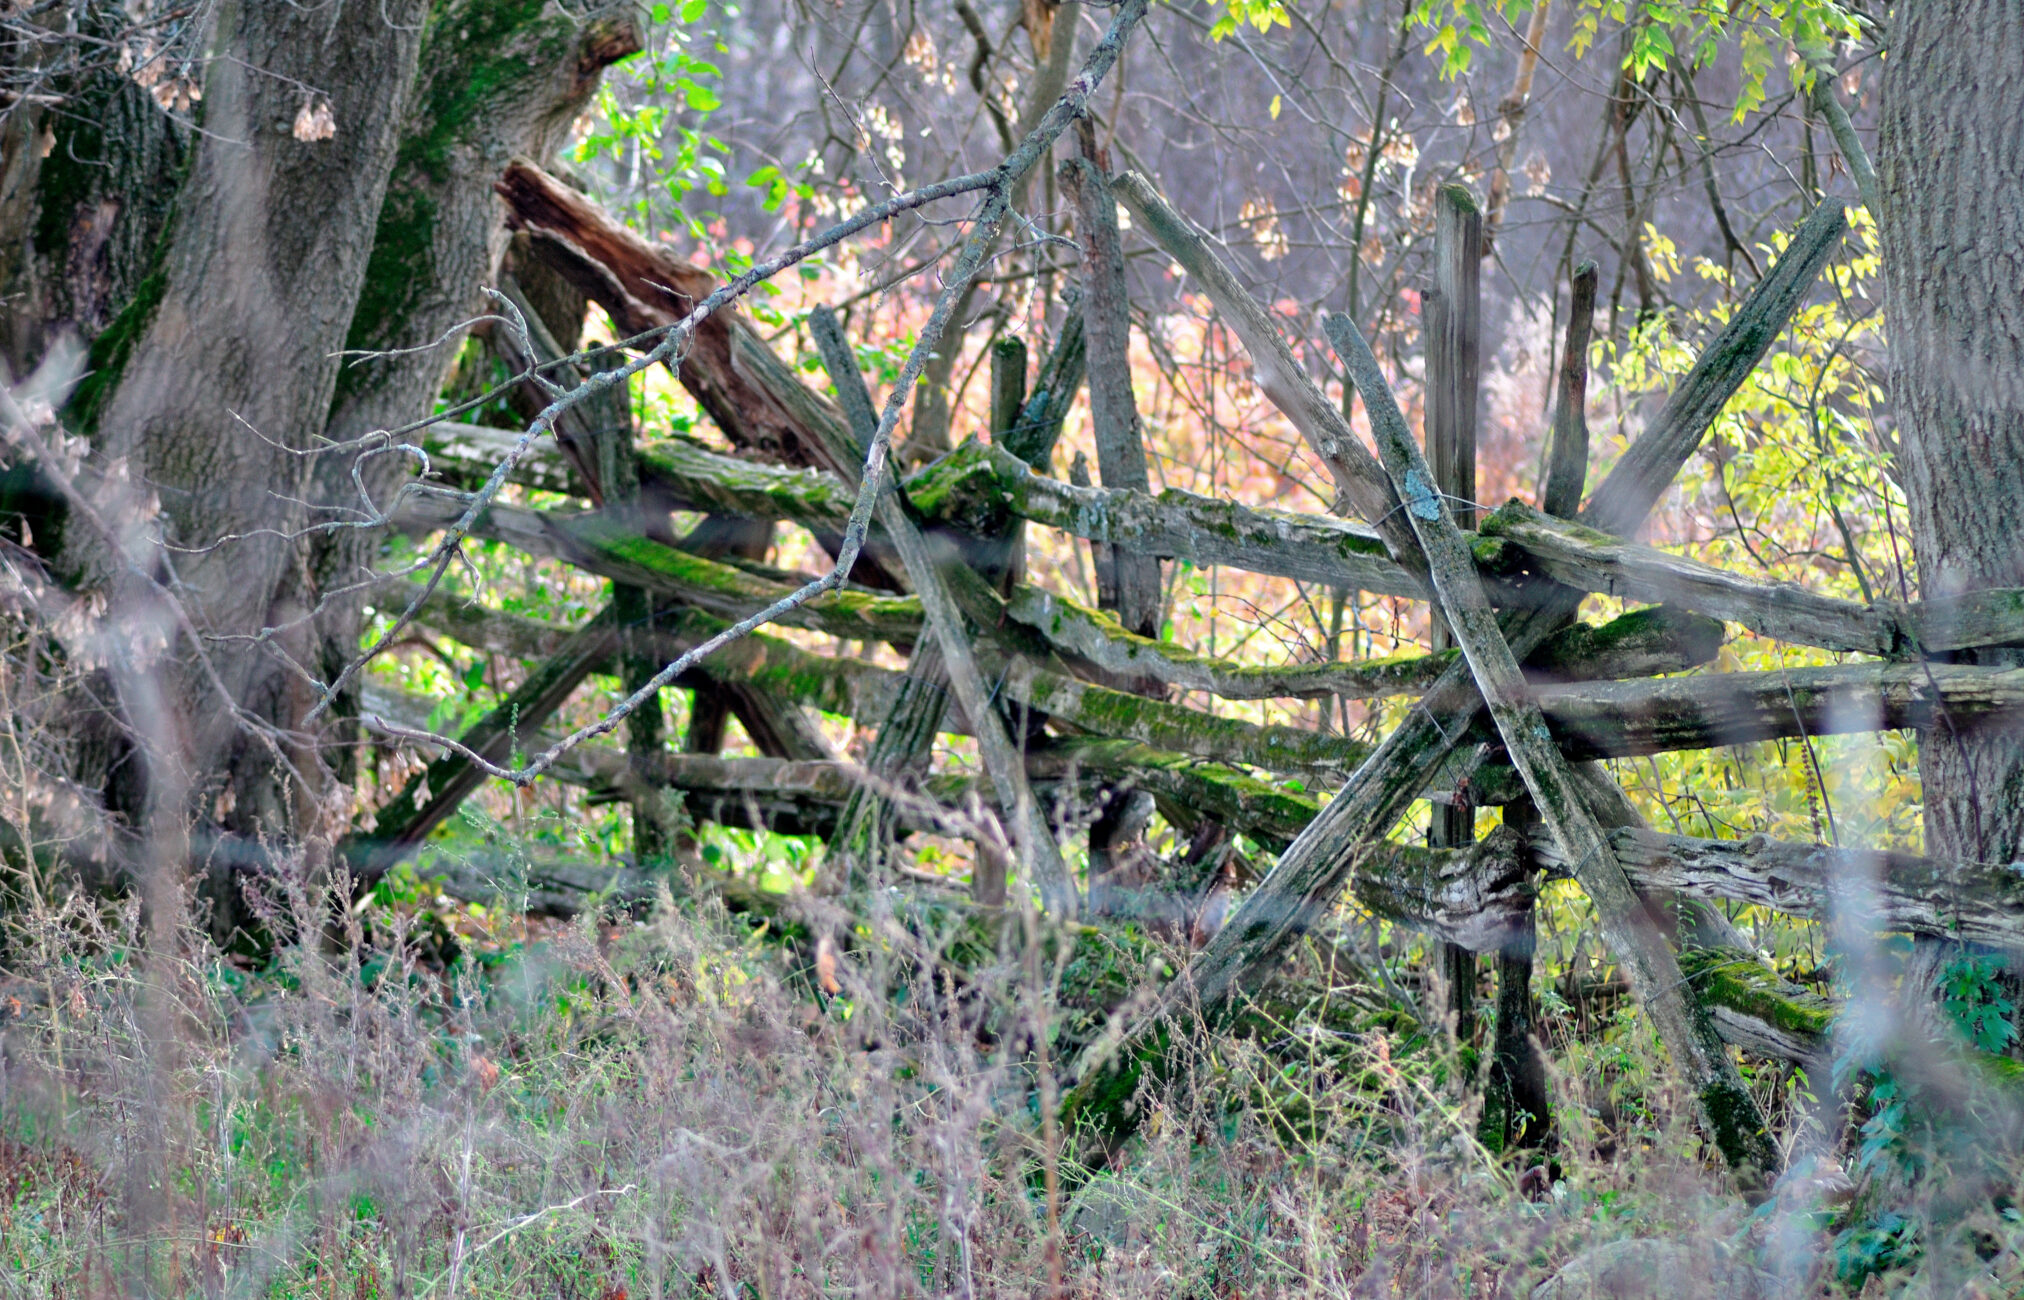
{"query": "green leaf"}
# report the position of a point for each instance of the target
(698, 96)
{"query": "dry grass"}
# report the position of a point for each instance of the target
(667, 1107)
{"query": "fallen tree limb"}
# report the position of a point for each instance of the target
(643, 288)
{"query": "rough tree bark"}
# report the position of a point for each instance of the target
(495, 80)
(1951, 174)
(214, 382)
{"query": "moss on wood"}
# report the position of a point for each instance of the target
(1745, 986)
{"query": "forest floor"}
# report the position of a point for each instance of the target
(443, 1098)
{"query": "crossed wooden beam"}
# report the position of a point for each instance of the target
(1510, 713)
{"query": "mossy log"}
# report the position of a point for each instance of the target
(1478, 898)
(1758, 1010)
(1120, 714)
(978, 487)
(611, 549)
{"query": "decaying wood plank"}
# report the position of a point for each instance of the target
(1967, 902)
(1359, 480)
(846, 685)
(1760, 1011)
(1567, 469)
(1113, 409)
(1594, 717)
(1593, 561)
(1637, 644)
(1454, 314)
(1453, 310)
(1002, 761)
(1641, 477)
(1728, 1111)
(1475, 897)
(1624, 719)
(463, 456)
(1273, 746)
(978, 486)
(1588, 718)
(1517, 1103)
(1031, 440)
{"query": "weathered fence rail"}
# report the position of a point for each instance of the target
(1099, 712)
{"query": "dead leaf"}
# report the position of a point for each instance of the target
(315, 121)
(825, 966)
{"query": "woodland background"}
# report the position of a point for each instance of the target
(510, 1067)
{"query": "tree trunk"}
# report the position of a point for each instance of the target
(1951, 168)
(496, 81)
(337, 196)
(217, 381)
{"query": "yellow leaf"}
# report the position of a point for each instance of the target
(1275, 108)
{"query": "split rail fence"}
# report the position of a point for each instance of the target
(1513, 707)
